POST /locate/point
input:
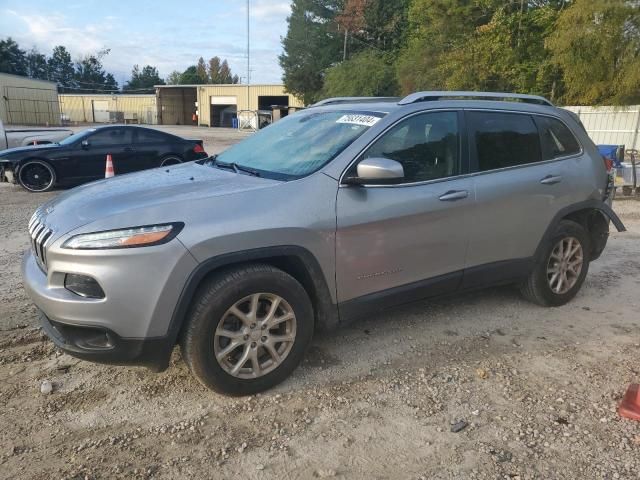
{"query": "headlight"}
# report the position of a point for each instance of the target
(125, 238)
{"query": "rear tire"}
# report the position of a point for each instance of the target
(247, 329)
(560, 271)
(36, 176)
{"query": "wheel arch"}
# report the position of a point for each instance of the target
(179, 156)
(593, 215)
(296, 261)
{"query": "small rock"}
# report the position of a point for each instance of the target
(459, 426)
(325, 473)
(259, 467)
(46, 387)
(482, 373)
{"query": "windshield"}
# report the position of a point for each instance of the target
(299, 144)
(75, 137)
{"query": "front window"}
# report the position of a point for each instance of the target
(299, 144)
(76, 137)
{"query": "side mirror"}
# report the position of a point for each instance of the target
(377, 171)
(85, 144)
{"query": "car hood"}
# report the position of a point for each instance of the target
(144, 196)
(19, 152)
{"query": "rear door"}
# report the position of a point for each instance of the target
(521, 182)
(150, 147)
(408, 240)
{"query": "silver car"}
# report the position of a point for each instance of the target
(345, 208)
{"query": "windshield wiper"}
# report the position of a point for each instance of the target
(236, 168)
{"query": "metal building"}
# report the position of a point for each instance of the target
(25, 101)
(108, 108)
(223, 105)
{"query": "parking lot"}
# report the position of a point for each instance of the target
(537, 389)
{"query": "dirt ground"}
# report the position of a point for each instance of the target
(537, 388)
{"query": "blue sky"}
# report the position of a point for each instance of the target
(170, 35)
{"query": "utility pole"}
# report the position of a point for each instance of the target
(248, 58)
(344, 48)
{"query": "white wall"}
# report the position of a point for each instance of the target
(611, 125)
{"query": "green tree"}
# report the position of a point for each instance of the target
(367, 74)
(61, 68)
(312, 44)
(596, 43)
(37, 65)
(201, 71)
(220, 72)
(191, 77)
(214, 70)
(143, 81)
(492, 45)
(174, 78)
(91, 77)
(12, 58)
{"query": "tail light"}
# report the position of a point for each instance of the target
(608, 163)
(198, 148)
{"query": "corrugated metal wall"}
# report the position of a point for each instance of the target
(611, 125)
(80, 107)
(25, 101)
(205, 92)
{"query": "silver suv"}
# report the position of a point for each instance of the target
(334, 212)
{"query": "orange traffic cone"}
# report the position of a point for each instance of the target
(108, 172)
(630, 405)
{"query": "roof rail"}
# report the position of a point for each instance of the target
(436, 95)
(338, 100)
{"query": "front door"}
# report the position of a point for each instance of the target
(409, 240)
(90, 161)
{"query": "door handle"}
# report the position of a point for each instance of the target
(453, 195)
(551, 180)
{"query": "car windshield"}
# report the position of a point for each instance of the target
(75, 137)
(299, 144)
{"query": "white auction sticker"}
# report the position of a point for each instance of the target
(356, 119)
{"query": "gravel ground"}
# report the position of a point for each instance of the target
(481, 385)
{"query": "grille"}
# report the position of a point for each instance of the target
(40, 236)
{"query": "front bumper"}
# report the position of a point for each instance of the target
(103, 346)
(130, 325)
(7, 173)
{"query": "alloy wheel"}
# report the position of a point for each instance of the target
(255, 335)
(36, 177)
(565, 264)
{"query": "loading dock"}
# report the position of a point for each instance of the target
(219, 105)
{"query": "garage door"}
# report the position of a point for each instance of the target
(220, 100)
(101, 111)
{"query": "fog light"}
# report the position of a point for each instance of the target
(82, 285)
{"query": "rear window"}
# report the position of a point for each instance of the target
(504, 139)
(557, 139)
(149, 136)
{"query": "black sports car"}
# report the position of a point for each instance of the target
(82, 157)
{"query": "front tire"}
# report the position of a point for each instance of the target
(36, 176)
(247, 330)
(560, 272)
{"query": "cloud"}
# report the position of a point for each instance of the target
(45, 32)
(169, 42)
(265, 9)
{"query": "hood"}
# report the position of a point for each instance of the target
(19, 151)
(157, 190)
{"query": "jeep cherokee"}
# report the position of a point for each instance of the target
(347, 207)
